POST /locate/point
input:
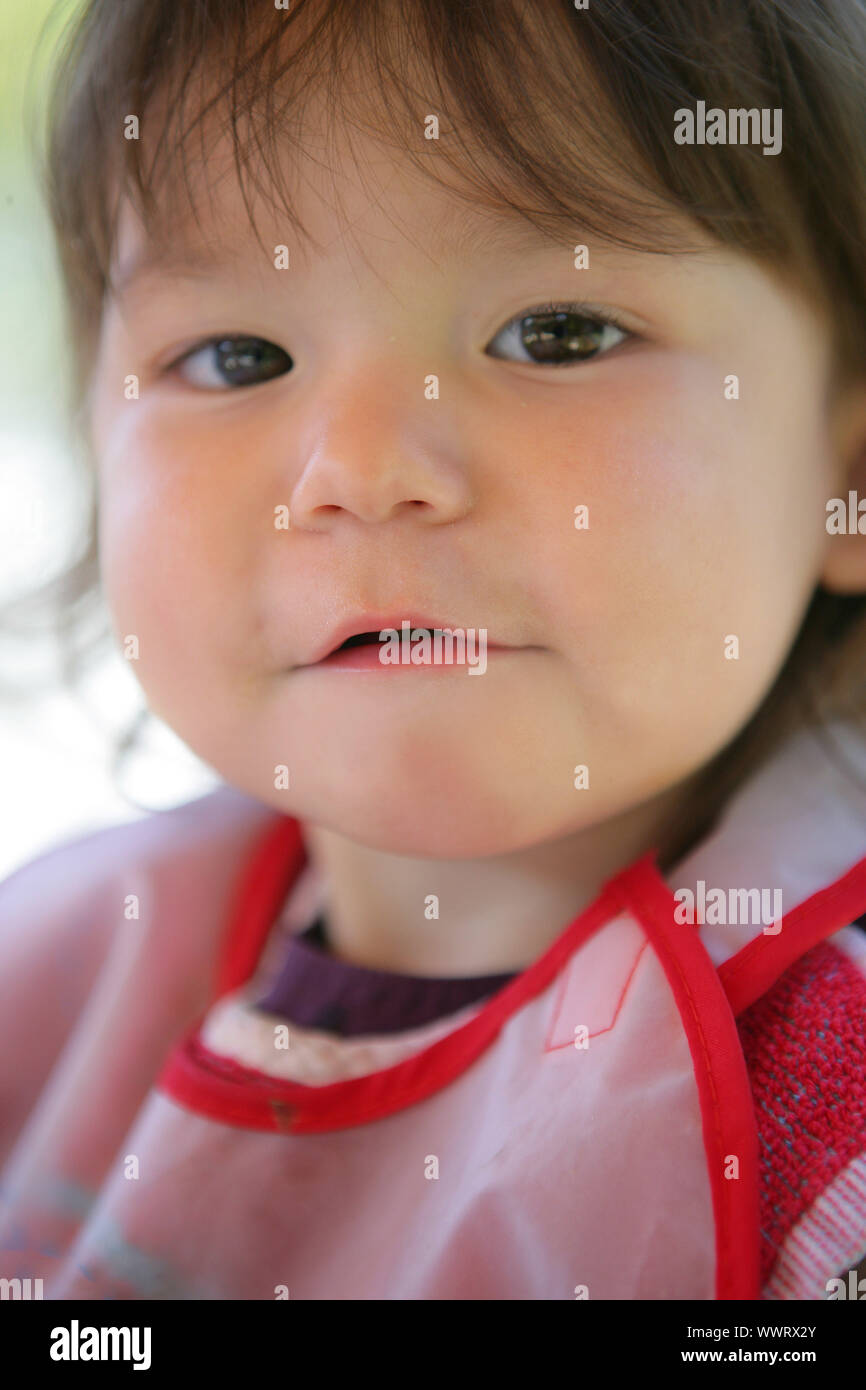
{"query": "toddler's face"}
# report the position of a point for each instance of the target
(705, 514)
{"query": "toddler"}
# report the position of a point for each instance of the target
(477, 409)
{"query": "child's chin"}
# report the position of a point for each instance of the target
(443, 830)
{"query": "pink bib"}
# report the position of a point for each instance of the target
(588, 1131)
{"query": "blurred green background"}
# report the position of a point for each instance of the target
(55, 745)
(31, 356)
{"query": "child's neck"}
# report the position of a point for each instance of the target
(495, 914)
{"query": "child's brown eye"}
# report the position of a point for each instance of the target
(230, 362)
(556, 335)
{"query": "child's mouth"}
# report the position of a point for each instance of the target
(360, 642)
(361, 639)
(368, 651)
(406, 644)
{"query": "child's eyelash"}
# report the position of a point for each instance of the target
(587, 311)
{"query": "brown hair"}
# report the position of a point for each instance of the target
(548, 111)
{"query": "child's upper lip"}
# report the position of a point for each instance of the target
(377, 622)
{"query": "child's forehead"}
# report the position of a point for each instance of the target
(365, 196)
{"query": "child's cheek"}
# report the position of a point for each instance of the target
(174, 544)
(675, 553)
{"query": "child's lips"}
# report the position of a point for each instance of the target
(403, 625)
(369, 622)
(451, 646)
(366, 658)
(369, 658)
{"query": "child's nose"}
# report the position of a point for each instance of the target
(376, 454)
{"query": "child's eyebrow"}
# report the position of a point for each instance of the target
(180, 261)
(455, 236)
(474, 234)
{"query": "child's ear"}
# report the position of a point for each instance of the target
(844, 569)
